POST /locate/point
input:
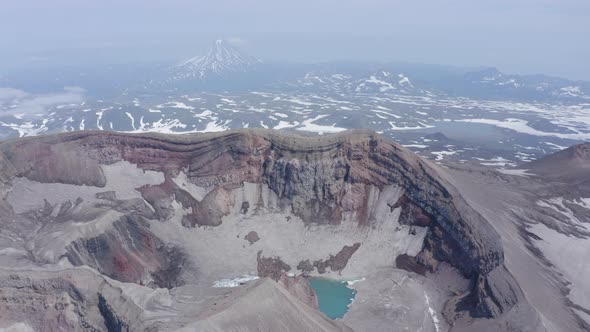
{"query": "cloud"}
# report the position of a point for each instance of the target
(20, 104)
(9, 94)
(74, 89)
(236, 41)
(36, 59)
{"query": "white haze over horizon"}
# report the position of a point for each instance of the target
(517, 36)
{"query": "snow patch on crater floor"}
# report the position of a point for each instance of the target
(517, 172)
(350, 283)
(432, 313)
(235, 282)
(17, 327)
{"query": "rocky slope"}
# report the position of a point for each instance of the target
(571, 165)
(98, 217)
(66, 301)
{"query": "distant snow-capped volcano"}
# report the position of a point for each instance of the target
(221, 59)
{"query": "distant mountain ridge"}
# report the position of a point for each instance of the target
(487, 83)
(225, 68)
(379, 81)
(494, 82)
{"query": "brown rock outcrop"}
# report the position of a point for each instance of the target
(338, 262)
(272, 267)
(251, 237)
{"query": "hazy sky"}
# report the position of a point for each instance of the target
(518, 36)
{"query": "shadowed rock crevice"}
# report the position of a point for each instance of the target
(111, 320)
(409, 263)
(411, 214)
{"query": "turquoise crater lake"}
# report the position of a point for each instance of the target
(334, 296)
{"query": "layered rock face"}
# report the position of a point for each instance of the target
(128, 259)
(322, 180)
